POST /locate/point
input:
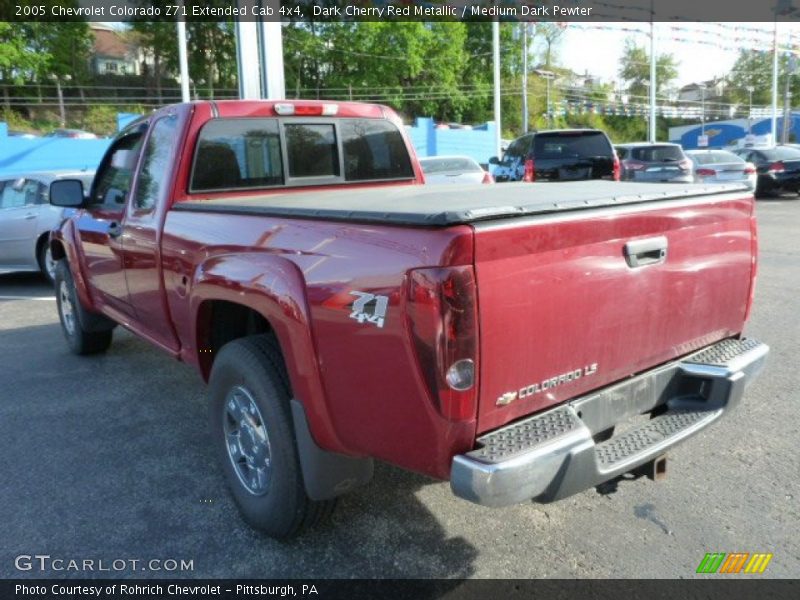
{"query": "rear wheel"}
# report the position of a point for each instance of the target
(252, 426)
(85, 333)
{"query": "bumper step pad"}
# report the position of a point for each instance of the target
(627, 446)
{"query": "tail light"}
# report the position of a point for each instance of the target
(305, 110)
(685, 164)
(487, 177)
(776, 167)
(530, 171)
(754, 265)
(703, 172)
(749, 169)
(617, 168)
(443, 321)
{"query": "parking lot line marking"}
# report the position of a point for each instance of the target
(27, 297)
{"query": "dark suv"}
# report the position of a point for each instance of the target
(558, 155)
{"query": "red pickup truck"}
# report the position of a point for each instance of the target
(524, 341)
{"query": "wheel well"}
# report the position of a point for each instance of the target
(221, 322)
(43, 239)
(57, 249)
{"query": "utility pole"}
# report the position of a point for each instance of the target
(183, 61)
(774, 129)
(750, 89)
(496, 61)
(702, 87)
(652, 131)
(787, 115)
(524, 77)
(787, 97)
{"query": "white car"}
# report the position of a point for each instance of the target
(721, 166)
(453, 169)
(26, 219)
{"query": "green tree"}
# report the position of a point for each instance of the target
(159, 42)
(755, 69)
(548, 35)
(635, 68)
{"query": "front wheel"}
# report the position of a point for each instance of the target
(253, 430)
(80, 338)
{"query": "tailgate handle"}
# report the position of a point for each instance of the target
(651, 251)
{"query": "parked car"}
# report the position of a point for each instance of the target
(721, 166)
(558, 155)
(453, 169)
(778, 168)
(22, 134)
(654, 162)
(495, 338)
(26, 218)
(77, 134)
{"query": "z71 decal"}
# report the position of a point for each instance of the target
(369, 308)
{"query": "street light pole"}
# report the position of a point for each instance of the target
(750, 90)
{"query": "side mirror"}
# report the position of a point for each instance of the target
(494, 161)
(67, 193)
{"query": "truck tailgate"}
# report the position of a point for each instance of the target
(574, 301)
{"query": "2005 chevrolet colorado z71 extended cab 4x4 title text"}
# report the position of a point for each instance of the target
(493, 336)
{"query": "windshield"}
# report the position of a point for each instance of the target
(657, 153)
(717, 156)
(782, 154)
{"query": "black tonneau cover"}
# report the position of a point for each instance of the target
(451, 205)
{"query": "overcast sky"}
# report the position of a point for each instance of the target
(702, 50)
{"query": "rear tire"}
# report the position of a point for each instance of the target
(252, 426)
(78, 325)
(46, 263)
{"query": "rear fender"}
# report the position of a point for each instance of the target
(275, 288)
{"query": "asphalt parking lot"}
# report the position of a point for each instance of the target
(110, 458)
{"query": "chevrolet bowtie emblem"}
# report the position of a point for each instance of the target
(506, 398)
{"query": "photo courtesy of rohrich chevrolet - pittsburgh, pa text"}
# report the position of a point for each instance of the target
(399, 299)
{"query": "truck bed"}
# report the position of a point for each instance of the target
(439, 206)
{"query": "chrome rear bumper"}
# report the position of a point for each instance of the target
(553, 455)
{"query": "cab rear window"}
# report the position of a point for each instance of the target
(253, 153)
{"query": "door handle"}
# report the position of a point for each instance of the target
(114, 229)
(651, 251)
(29, 217)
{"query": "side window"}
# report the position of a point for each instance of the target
(527, 146)
(113, 179)
(237, 154)
(311, 150)
(373, 149)
(20, 192)
(622, 153)
(157, 157)
(513, 152)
